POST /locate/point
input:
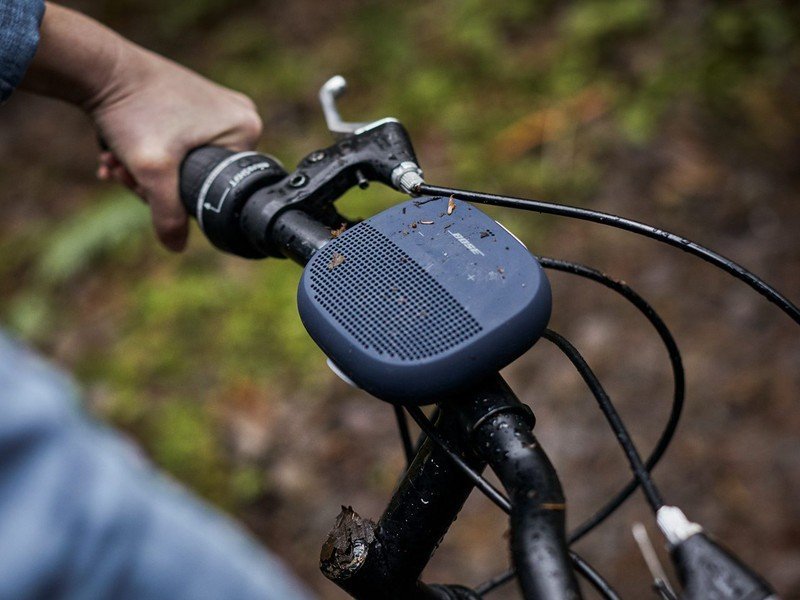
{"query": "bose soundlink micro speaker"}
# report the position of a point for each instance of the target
(423, 299)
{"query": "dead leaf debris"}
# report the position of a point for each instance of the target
(337, 232)
(336, 260)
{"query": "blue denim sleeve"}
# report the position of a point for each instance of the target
(19, 36)
(82, 516)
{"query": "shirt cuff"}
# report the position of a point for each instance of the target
(19, 36)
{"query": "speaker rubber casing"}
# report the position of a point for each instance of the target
(415, 303)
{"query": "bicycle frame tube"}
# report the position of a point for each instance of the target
(421, 510)
(485, 424)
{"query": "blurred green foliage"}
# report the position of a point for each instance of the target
(524, 96)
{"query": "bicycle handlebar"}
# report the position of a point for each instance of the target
(501, 430)
(216, 183)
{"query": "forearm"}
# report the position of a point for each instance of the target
(77, 58)
(150, 111)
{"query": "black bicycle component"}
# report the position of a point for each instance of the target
(422, 299)
(593, 577)
(538, 537)
(488, 490)
(215, 183)
(709, 572)
(237, 197)
(405, 434)
(496, 582)
(581, 567)
(677, 371)
(385, 560)
(612, 416)
(371, 561)
(297, 235)
(719, 261)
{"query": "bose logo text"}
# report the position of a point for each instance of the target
(466, 243)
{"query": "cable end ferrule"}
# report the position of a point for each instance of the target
(407, 177)
(675, 526)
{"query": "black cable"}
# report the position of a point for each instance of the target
(495, 582)
(677, 372)
(405, 435)
(484, 486)
(422, 437)
(620, 431)
(581, 566)
(660, 235)
(593, 577)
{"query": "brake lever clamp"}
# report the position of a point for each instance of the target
(235, 194)
(378, 154)
(406, 177)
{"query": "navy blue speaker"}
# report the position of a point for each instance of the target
(423, 299)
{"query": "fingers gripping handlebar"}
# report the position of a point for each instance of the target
(237, 197)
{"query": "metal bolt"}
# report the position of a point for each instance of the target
(298, 181)
(316, 156)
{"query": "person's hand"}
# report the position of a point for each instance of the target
(149, 110)
(153, 112)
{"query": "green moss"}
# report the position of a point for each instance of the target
(183, 442)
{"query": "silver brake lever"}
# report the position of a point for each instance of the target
(328, 94)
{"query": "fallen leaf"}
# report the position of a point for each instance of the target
(336, 260)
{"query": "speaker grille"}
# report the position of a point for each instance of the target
(385, 300)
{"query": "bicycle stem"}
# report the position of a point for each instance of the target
(502, 433)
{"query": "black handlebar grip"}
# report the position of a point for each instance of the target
(215, 183)
(708, 571)
(196, 167)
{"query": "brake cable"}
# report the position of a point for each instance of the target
(679, 379)
(719, 261)
(612, 416)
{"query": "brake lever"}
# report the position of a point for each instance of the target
(331, 91)
(382, 153)
(406, 177)
(233, 194)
